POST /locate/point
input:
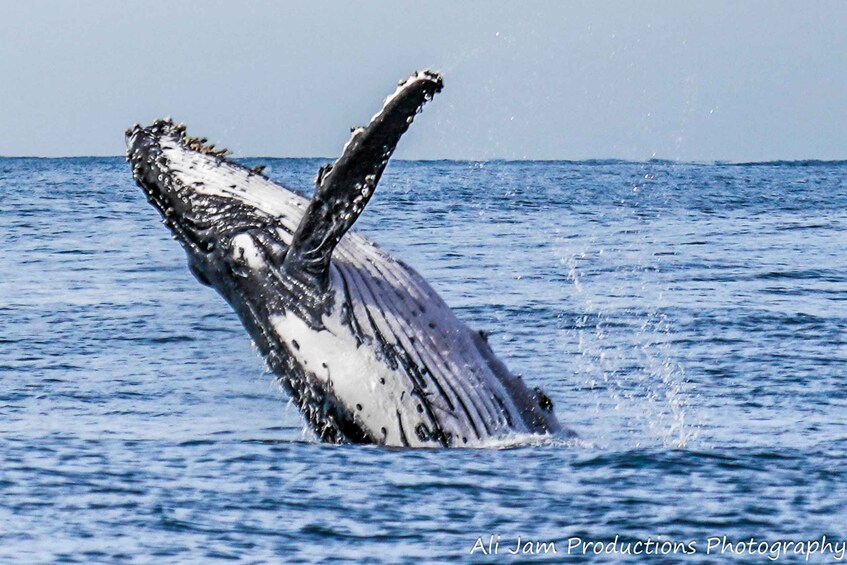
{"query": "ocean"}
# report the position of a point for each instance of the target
(689, 322)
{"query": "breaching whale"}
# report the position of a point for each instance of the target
(362, 344)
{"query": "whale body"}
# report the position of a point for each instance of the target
(362, 344)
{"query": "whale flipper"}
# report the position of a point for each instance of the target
(345, 187)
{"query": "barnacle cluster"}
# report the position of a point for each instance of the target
(198, 144)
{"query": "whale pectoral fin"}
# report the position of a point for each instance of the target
(345, 187)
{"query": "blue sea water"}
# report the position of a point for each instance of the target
(689, 321)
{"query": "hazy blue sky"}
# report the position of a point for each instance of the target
(705, 80)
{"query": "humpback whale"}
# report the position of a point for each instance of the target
(361, 343)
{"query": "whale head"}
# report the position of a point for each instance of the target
(234, 224)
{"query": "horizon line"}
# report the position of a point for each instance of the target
(590, 160)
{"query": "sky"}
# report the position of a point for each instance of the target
(687, 81)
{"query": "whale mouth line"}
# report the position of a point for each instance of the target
(179, 225)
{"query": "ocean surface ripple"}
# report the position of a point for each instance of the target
(689, 321)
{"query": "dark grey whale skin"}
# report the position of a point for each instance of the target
(365, 348)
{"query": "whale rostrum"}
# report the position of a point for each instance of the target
(362, 344)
